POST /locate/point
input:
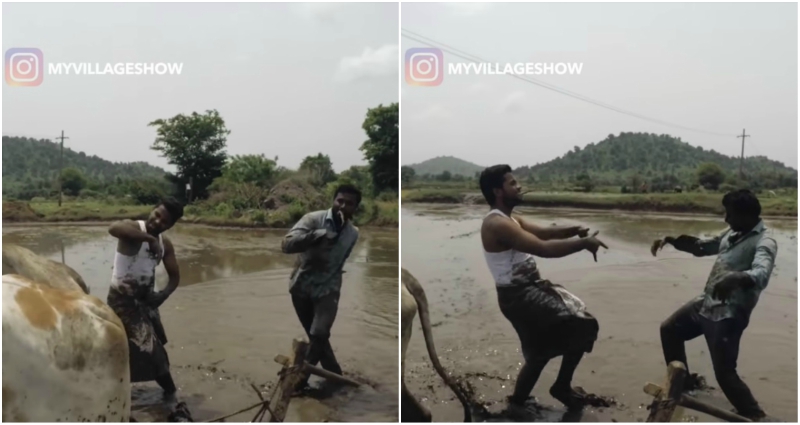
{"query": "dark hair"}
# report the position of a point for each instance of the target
(742, 202)
(493, 178)
(348, 188)
(173, 207)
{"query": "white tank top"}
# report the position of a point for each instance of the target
(140, 267)
(502, 264)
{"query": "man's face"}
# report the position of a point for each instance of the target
(511, 193)
(738, 222)
(346, 203)
(159, 221)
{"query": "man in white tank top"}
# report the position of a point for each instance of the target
(132, 296)
(549, 320)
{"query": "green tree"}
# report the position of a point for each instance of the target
(584, 181)
(710, 175)
(381, 148)
(444, 177)
(319, 169)
(358, 176)
(256, 169)
(72, 181)
(195, 144)
(407, 174)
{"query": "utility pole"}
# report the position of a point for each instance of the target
(60, 167)
(741, 160)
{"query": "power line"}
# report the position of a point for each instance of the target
(473, 58)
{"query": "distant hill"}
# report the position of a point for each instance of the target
(616, 159)
(32, 163)
(438, 165)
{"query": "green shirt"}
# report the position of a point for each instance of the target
(323, 252)
(752, 254)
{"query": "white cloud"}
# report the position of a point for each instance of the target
(513, 103)
(469, 9)
(378, 63)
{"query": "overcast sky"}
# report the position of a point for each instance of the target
(288, 79)
(720, 67)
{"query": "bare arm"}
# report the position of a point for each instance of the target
(303, 235)
(129, 230)
(547, 233)
(173, 271)
(515, 237)
(690, 244)
(171, 265)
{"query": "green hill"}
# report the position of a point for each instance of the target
(30, 167)
(657, 160)
(438, 165)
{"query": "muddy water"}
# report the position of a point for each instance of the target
(232, 315)
(629, 292)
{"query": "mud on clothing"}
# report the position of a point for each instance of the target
(132, 280)
(549, 320)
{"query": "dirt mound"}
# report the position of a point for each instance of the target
(293, 191)
(19, 211)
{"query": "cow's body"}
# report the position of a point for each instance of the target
(413, 299)
(65, 354)
(24, 262)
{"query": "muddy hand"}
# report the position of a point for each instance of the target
(657, 245)
(595, 244)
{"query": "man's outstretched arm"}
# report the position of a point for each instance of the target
(517, 238)
(547, 233)
(303, 235)
(693, 245)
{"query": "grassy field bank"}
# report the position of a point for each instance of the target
(371, 213)
(784, 205)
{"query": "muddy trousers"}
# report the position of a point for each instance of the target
(723, 338)
(317, 316)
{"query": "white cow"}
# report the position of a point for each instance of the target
(65, 353)
(413, 298)
(24, 262)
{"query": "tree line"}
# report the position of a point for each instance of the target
(196, 145)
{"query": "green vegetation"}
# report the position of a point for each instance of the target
(244, 190)
(436, 166)
(632, 171)
(631, 162)
(30, 169)
(783, 203)
(659, 162)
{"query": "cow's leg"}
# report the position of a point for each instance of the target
(411, 410)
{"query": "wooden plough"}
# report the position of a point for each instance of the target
(669, 399)
(294, 371)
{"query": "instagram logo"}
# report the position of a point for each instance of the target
(24, 67)
(424, 67)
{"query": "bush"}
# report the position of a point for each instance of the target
(90, 194)
(224, 210)
(296, 210)
(259, 217)
(387, 196)
(146, 194)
